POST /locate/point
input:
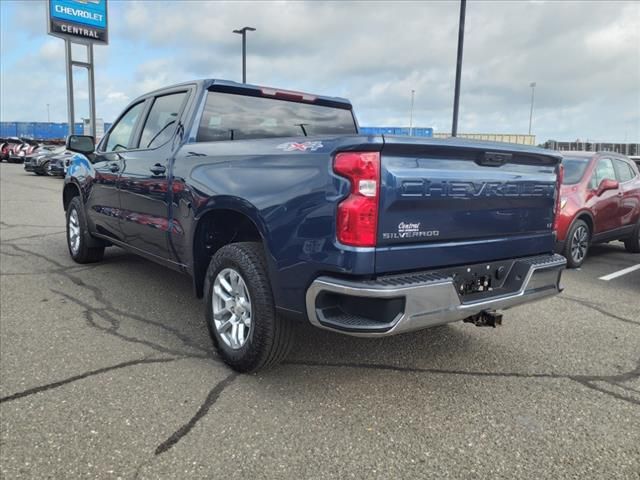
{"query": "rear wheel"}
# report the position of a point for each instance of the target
(78, 236)
(577, 243)
(632, 244)
(240, 310)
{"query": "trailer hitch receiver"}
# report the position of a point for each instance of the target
(488, 318)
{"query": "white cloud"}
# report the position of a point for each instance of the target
(584, 57)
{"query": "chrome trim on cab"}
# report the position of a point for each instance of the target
(435, 301)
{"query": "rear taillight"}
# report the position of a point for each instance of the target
(558, 208)
(357, 220)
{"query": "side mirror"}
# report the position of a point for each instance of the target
(80, 143)
(607, 184)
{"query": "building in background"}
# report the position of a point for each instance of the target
(415, 131)
(57, 131)
(48, 130)
(629, 149)
(521, 139)
(86, 125)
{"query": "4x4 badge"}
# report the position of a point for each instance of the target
(301, 147)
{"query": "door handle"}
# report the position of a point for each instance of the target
(158, 169)
(114, 167)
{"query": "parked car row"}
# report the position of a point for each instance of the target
(14, 149)
(38, 157)
(53, 162)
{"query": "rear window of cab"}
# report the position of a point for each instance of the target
(228, 116)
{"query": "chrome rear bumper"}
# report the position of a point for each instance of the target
(426, 299)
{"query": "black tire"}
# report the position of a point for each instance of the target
(632, 244)
(270, 337)
(577, 244)
(84, 252)
(43, 169)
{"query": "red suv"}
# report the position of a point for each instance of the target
(599, 202)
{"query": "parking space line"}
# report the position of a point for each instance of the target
(619, 273)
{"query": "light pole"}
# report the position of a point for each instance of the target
(456, 94)
(243, 31)
(533, 89)
(48, 116)
(413, 92)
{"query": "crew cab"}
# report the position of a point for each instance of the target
(280, 211)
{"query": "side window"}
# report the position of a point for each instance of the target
(624, 171)
(604, 171)
(121, 134)
(162, 120)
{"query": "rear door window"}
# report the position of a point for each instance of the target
(162, 120)
(228, 116)
(624, 171)
(604, 171)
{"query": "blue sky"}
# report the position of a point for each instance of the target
(584, 56)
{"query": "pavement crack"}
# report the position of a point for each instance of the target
(397, 368)
(211, 399)
(619, 396)
(40, 235)
(113, 330)
(108, 308)
(25, 225)
(617, 380)
(75, 378)
(585, 380)
(11, 254)
(109, 313)
(597, 308)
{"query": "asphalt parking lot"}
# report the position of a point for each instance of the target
(107, 371)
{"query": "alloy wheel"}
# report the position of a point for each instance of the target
(74, 231)
(231, 308)
(579, 243)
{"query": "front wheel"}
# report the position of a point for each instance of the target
(577, 244)
(44, 169)
(78, 236)
(632, 244)
(240, 310)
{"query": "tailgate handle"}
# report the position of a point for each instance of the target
(493, 159)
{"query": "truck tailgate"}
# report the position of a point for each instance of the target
(484, 201)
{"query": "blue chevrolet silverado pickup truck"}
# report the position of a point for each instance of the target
(281, 211)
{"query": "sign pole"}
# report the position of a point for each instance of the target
(82, 22)
(92, 91)
(69, 68)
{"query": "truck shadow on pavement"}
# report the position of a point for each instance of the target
(185, 336)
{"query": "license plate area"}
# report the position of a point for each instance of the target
(473, 282)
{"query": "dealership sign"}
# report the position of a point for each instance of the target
(79, 20)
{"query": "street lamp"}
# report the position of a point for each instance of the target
(533, 89)
(48, 116)
(413, 92)
(243, 31)
(456, 93)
